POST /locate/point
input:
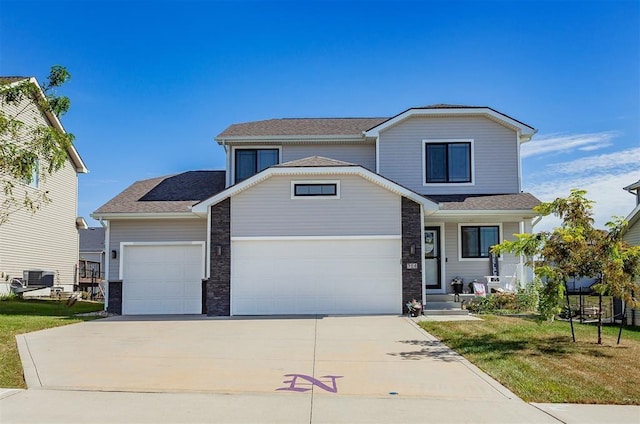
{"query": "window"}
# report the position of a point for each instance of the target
(477, 240)
(319, 189)
(249, 162)
(447, 162)
(34, 181)
(315, 190)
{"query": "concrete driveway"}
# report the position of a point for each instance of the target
(315, 369)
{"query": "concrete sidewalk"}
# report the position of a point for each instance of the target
(90, 407)
(304, 369)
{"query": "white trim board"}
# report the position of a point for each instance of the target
(311, 172)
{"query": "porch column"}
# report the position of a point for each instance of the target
(218, 289)
(411, 242)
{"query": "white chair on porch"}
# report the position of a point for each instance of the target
(506, 282)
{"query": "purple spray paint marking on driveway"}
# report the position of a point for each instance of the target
(305, 380)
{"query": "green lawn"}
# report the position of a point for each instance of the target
(539, 363)
(24, 316)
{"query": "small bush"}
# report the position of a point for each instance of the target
(9, 296)
(525, 300)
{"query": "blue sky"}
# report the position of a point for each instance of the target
(154, 82)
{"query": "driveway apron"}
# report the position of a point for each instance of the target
(378, 366)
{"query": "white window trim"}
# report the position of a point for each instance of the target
(448, 140)
(294, 182)
(477, 224)
(232, 153)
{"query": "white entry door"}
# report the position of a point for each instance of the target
(162, 279)
(316, 276)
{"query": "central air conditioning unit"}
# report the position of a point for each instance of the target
(38, 277)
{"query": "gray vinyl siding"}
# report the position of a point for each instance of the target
(160, 230)
(48, 239)
(359, 154)
(267, 209)
(473, 269)
(632, 236)
(495, 153)
(91, 256)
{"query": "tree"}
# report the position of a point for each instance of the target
(576, 249)
(30, 148)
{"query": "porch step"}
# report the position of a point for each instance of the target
(444, 308)
(432, 312)
(448, 297)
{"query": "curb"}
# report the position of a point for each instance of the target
(29, 369)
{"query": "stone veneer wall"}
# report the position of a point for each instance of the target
(115, 297)
(218, 288)
(411, 236)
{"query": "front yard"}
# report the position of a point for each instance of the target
(539, 363)
(23, 316)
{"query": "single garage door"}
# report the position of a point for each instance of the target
(162, 279)
(316, 276)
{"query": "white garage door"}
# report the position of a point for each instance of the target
(320, 276)
(162, 279)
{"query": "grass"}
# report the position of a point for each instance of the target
(539, 363)
(19, 316)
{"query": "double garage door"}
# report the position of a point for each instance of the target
(269, 277)
(316, 276)
(162, 279)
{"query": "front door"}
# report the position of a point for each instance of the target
(432, 257)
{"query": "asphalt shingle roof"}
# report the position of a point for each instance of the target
(516, 201)
(173, 193)
(9, 80)
(292, 127)
(91, 239)
(302, 127)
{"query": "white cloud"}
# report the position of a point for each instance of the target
(557, 143)
(624, 160)
(605, 188)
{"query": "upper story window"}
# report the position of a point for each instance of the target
(448, 162)
(477, 240)
(315, 189)
(249, 162)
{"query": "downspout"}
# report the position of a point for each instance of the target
(107, 259)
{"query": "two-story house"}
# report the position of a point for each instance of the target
(324, 216)
(40, 249)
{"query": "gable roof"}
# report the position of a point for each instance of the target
(92, 239)
(74, 156)
(315, 169)
(632, 187)
(171, 194)
(358, 128)
(525, 132)
(353, 127)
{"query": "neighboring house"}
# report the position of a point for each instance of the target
(92, 259)
(324, 216)
(46, 242)
(632, 236)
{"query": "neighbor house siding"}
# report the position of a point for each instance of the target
(268, 210)
(401, 151)
(632, 236)
(474, 269)
(161, 230)
(48, 239)
(359, 154)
